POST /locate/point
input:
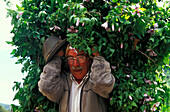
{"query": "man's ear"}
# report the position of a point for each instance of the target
(67, 49)
(67, 65)
(90, 60)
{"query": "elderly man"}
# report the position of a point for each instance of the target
(84, 88)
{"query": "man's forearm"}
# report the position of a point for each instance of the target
(101, 78)
(51, 83)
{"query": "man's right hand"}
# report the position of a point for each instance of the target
(60, 53)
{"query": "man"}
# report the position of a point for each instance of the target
(84, 89)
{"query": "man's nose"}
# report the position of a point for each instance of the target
(76, 63)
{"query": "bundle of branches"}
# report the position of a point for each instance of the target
(133, 35)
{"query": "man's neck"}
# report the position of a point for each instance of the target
(78, 80)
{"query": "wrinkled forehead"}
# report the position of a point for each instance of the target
(75, 52)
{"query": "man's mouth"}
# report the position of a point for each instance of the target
(77, 70)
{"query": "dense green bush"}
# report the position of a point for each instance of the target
(133, 35)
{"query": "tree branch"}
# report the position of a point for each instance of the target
(147, 57)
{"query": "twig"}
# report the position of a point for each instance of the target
(147, 56)
(38, 59)
(157, 13)
(96, 13)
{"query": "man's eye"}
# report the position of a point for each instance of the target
(70, 58)
(80, 56)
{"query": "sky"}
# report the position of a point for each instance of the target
(9, 71)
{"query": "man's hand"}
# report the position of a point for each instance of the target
(60, 53)
(96, 53)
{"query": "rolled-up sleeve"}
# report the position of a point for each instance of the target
(51, 83)
(101, 78)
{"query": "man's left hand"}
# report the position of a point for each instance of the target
(96, 53)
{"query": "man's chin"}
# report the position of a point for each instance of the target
(77, 72)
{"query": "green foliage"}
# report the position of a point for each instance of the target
(133, 35)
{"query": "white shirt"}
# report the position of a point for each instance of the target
(74, 104)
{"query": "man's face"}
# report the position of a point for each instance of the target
(78, 62)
